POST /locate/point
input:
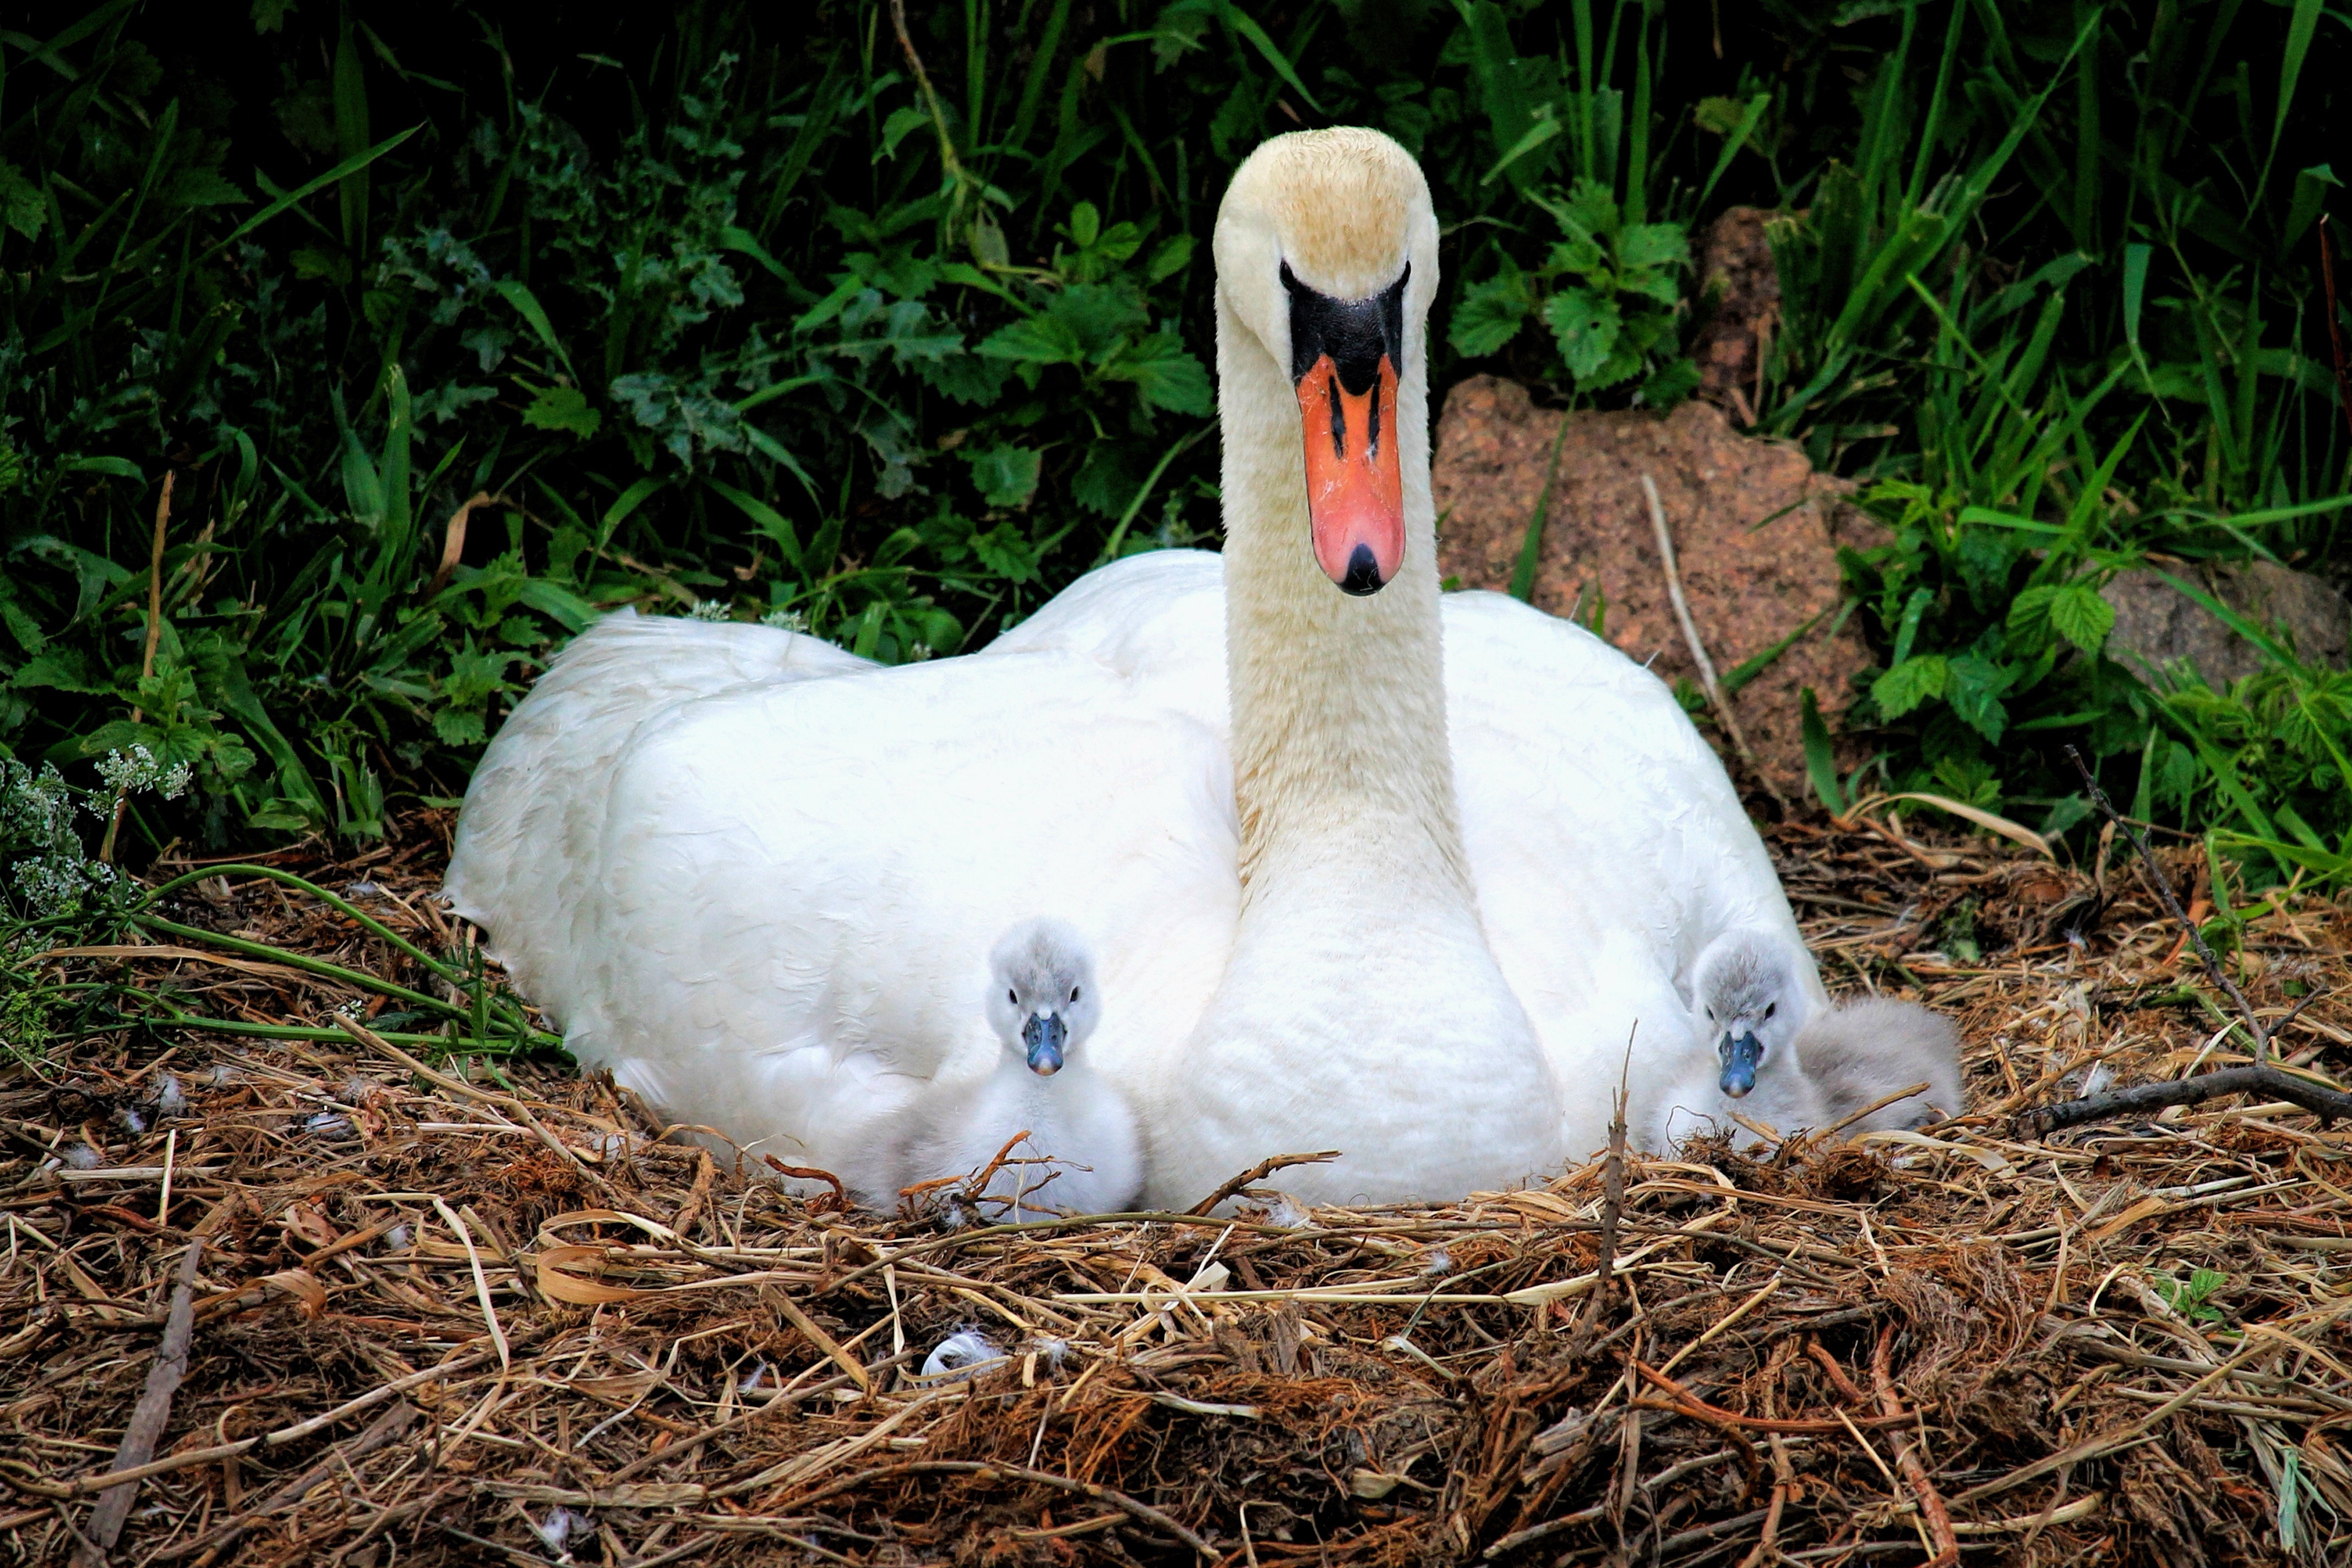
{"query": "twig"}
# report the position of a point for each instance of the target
(2336, 349)
(1931, 1502)
(1691, 1404)
(147, 663)
(1612, 1195)
(2326, 1104)
(1257, 1173)
(1881, 1102)
(1715, 696)
(153, 1411)
(839, 1202)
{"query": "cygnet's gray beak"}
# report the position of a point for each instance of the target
(1043, 1033)
(1741, 1054)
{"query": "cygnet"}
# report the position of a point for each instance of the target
(1082, 1155)
(1749, 1007)
(1868, 1049)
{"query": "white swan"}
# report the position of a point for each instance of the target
(1043, 1003)
(757, 935)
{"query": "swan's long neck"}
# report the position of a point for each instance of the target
(1338, 702)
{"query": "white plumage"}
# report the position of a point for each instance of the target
(1869, 1048)
(1804, 1066)
(756, 895)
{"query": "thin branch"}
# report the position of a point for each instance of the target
(155, 634)
(1715, 696)
(1613, 1197)
(1257, 1173)
(2327, 1104)
(153, 1411)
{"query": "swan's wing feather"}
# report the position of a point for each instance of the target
(800, 884)
(523, 865)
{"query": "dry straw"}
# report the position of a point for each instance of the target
(468, 1313)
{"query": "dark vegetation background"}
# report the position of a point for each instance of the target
(733, 311)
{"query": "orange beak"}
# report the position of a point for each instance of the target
(1355, 485)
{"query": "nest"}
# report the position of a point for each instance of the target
(331, 1302)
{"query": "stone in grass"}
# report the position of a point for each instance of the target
(2158, 626)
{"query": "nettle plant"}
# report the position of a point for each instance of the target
(1610, 292)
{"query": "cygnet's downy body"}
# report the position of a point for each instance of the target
(1750, 1008)
(1082, 1155)
(1868, 1049)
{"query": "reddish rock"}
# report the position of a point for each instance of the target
(1750, 581)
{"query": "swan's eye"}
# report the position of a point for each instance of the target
(1770, 1008)
(1014, 997)
(1074, 992)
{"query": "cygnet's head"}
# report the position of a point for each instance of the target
(1745, 987)
(1327, 254)
(1041, 996)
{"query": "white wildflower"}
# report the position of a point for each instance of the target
(707, 610)
(920, 652)
(785, 620)
(138, 771)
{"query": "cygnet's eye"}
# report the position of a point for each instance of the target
(1770, 1008)
(1074, 992)
(1014, 997)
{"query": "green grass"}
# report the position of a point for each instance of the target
(725, 314)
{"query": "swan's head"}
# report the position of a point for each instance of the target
(1041, 994)
(1746, 986)
(1326, 251)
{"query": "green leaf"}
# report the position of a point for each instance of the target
(1909, 684)
(1820, 759)
(1973, 686)
(1652, 245)
(1007, 552)
(563, 408)
(20, 201)
(1172, 255)
(1585, 326)
(765, 517)
(1006, 476)
(311, 261)
(2081, 616)
(895, 129)
(269, 15)
(1164, 375)
(1491, 313)
(200, 187)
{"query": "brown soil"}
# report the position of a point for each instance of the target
(1755, 530)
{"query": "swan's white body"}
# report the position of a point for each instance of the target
(1418, 922)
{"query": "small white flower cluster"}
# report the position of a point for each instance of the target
(920, 652)
(785, 620)
(37, 813)
(707, 610)
(139, 771)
